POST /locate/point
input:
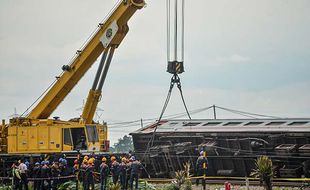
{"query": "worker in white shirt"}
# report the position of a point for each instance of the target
(23, 174)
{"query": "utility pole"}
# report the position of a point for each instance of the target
(214, 112)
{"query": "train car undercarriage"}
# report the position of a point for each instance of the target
(231, 145)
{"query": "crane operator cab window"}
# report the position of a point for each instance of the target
(74, 138)
(92, 134)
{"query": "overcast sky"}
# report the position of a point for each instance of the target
(250, 55)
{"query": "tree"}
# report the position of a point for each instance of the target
(124, 144)
(263, 171)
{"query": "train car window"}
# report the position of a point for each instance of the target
(298, 123)
(232, 123)
(212, 123)
(191, 123)
(276, 123)
(254, 123)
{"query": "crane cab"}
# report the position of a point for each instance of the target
(55, 136)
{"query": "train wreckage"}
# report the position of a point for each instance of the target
(232, 145)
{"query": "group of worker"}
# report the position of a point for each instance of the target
(49, 175)
(45, 174)
(124, 172)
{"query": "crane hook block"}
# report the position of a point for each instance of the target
(175, 67)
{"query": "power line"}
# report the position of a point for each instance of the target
(247, 113)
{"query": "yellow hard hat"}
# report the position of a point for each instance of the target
(90, 161)
(124, 159)
(85, 161)
(104, 159)
(113, 158)
(85, 157)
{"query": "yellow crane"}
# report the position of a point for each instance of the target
(37, 133)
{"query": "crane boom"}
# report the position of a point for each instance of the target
(37, 133)
(111, 32)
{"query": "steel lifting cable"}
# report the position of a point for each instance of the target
(181, 93)
(150, 143)
(174, 80)
(168, 29)
(44, 92)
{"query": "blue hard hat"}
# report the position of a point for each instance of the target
(42, 162)
(201, 153)
(133, 158)
(47, 162)
(37, 163)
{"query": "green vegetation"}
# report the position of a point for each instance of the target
(124, 144)
(264, 171)
(71, 185)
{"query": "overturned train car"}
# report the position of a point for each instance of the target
(232, 145)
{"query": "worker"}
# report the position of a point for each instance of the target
(76, 172)
(104, 173)
(55, 172)
(76, 167)
(36, 175)
(23, 174)
(201, 167)
(83, 167)
(16, 176)
(114, 169)
(135, 168)
(81, 143)
(123, 173)
(65, 170)
(128, 163)
(45, 173)
(89, 175)
(41, 181)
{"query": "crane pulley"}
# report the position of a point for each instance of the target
(175, 36)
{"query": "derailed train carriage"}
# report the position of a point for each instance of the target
(232, 145)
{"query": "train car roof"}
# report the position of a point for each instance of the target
(228, 125)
